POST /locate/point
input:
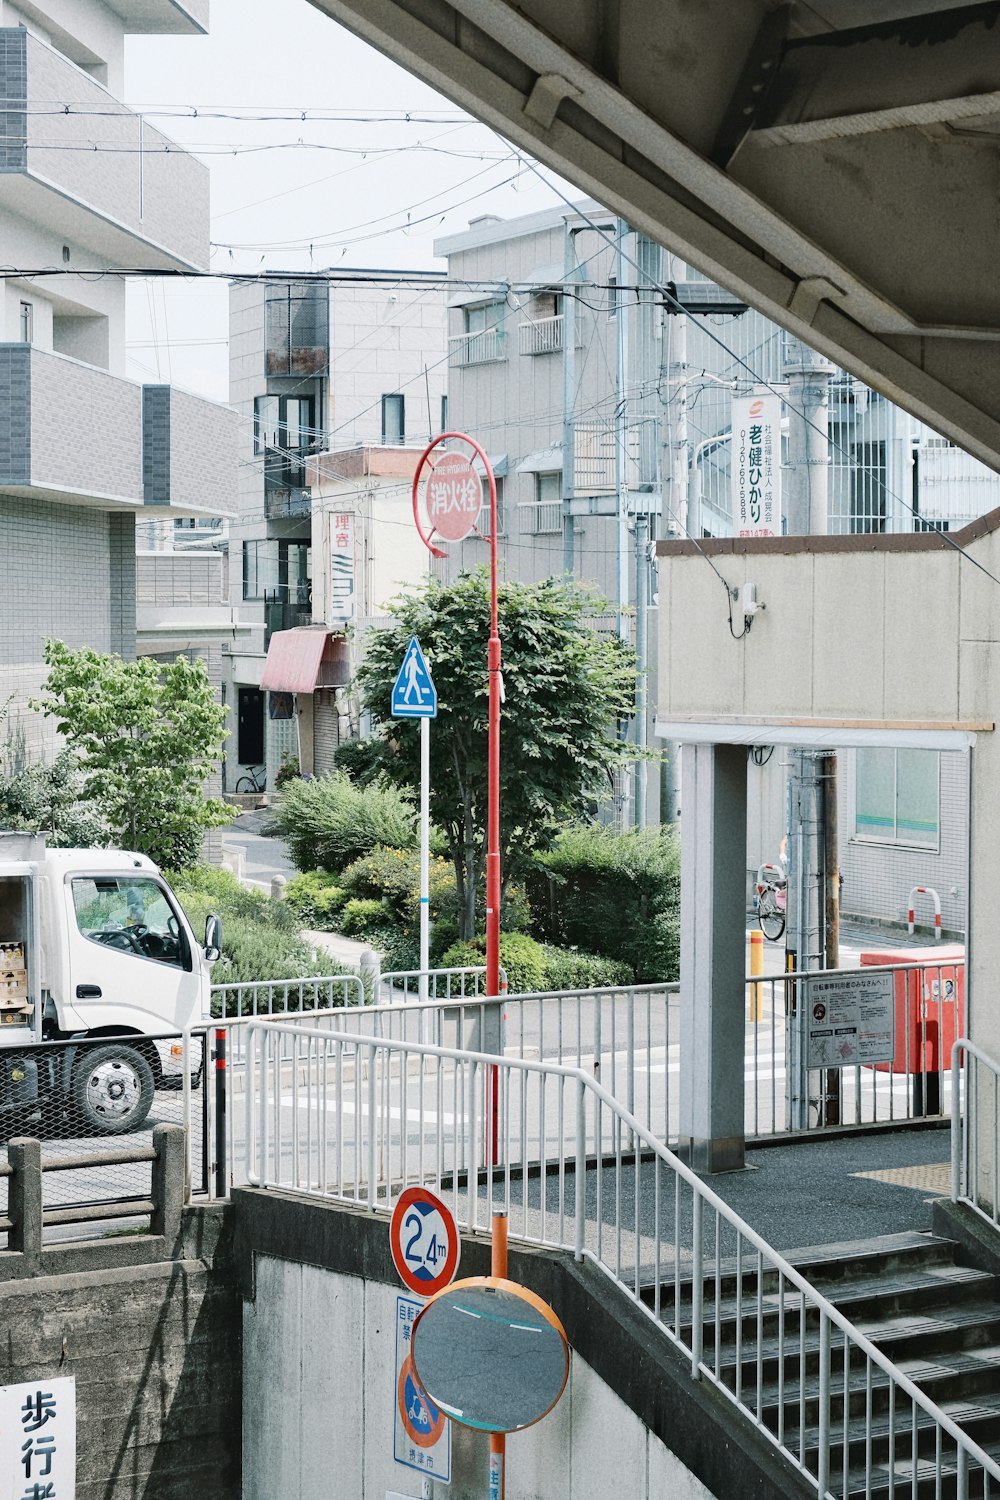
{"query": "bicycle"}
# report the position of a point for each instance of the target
(772, 889)
(254, 780)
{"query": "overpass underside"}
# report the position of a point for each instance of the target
(840, 176)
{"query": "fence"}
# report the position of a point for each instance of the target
(353, 1119)
(975, 1132)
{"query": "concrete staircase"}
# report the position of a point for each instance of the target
(936, 1320)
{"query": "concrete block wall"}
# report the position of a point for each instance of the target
(155, 1353)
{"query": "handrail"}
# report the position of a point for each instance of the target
(702, 1195)
(965, 1129)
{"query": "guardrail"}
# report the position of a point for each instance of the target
(355, 1118)
(404, 986)
(975, 1131)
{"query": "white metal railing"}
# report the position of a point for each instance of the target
(540, 335)
(482, 348)
(355, 1119)
(404, 986)
(975, 1131)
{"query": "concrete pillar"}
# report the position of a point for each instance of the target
(25, 1200)
(169, 1143)
(713, 941)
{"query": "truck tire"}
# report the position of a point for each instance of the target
(111, 1091)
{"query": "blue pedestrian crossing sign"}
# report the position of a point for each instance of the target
(414, 695)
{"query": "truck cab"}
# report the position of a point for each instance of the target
(96, 955)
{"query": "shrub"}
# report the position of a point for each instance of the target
(260, 938)
(315, 899)
(330, 822)
(520, 956)
(287, 771)
(361, 760)
(568, 969)
(219, 891)
(393, 876)
(360, 917)
(614, 894)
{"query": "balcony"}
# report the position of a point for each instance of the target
(138, 201)
(487, 347)
(541, 335)
(289, 504)
(161, 17)
(281, 613)
(72, 433)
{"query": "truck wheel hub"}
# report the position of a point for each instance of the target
(113, 1089)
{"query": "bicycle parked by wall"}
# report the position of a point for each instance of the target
(253, 780)
(772, 891)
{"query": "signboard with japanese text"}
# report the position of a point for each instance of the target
(421, 1436)
(342, 602)
(38, 1440)
(850, 1019)
(756, 465)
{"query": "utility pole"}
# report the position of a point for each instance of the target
(569, 311)
(674, 518)
(647, 257)
(808, 459)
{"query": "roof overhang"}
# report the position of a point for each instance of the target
(304, 659)
(822, 734)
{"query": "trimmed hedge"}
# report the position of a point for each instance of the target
(613, 894)
(329, 822)
(315, 898)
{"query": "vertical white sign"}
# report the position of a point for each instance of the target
(421, 1434)
(756, 465)
(341, 568)
(38, 1440)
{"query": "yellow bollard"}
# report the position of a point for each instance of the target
(756, 967)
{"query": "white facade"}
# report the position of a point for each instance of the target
(86, 452)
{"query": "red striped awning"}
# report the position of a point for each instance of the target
(301, 660)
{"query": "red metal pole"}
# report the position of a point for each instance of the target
(493, 815)
(498, 1440)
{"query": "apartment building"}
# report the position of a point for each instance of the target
(561, 344)
(87, 186)
(338, 380)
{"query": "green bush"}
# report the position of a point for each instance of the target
(360, 917)
(329, 822)
(315, 898)
(261, 938)
(520, 956)
(393, 876)
(568, 969)
(613, 894)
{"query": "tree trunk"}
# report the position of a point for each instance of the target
(469, 858)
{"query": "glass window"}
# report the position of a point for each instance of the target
(27, 321)
(444, 413)
(393, 419)
(897, 796)
(546, 513)
(277, 570)
(483, 524)
(481, 319)
(131, 914)
(265, 423)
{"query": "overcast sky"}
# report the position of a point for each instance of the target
(294, 193)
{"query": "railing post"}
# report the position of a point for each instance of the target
(221, 1127)
(581, 1169)
(823, 1457)
(168, 1184)
(697, 1284)
(25, 1199)
(373, 1124)
(958, 1114)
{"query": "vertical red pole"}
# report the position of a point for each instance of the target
(493, 815)
(498, 1440)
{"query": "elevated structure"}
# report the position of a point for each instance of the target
(836, 174)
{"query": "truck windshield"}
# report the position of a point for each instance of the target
(129, 913)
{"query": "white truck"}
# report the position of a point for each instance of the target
(93, 944)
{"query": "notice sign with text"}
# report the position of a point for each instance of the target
(850, 1018)
(421, 1433)
(38, 1440)
(341, 568)
(756, 465)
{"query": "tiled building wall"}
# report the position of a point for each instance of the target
(878, 877)
(81, 568)
(95, 446)
(203, 438)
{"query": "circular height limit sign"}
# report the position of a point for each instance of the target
(424, 1241)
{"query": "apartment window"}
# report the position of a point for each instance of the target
(283, 429)
(868, 488)
(27, 322)
(483, 524)
(484, 339)
(279, 570)
(546, 514)
(898, 797)
(444, 413)
(393, 419)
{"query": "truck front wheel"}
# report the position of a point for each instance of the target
(112, 1089)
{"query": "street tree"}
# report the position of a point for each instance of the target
(147, 736)
(567, 690)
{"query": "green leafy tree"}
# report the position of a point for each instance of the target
(566, 687)
(147, 737)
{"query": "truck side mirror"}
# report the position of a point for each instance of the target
(213, 938)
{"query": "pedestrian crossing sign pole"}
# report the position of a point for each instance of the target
(414, 696)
